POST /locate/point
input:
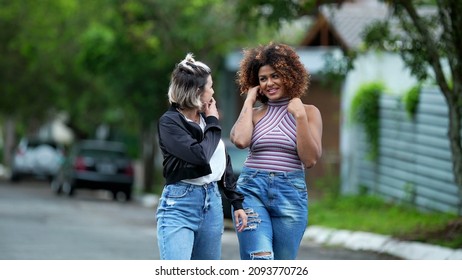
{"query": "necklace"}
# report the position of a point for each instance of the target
(191, 115)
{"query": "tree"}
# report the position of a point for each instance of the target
(28, 64)
(136, 51)
(275, 12)
(32, 68)
(430, 37)
(108, 61)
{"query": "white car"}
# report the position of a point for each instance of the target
(36, 158)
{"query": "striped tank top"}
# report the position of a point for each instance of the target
(273, 146)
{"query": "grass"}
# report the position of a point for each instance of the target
(373, 214)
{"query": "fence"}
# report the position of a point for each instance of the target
(414, 163)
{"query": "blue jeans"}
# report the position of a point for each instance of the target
(190, 222)
(276, 204)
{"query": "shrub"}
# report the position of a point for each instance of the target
(365, 111)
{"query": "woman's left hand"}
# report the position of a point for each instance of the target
(296, 107)
(240, 217)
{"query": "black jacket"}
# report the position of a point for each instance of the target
(187, 152)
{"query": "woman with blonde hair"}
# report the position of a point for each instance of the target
(195, 166)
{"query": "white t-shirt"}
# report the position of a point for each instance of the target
(217, 163)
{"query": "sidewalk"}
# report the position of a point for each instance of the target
(356, 240)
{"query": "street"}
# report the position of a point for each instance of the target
(36, 224)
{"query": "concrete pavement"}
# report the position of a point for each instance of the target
(356, 240)
(366, 241)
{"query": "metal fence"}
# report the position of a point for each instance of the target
(414, 163)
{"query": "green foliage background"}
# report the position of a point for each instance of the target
(365, 110)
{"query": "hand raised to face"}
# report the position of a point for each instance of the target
(210, 108)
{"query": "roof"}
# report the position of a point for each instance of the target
(313, 58)
(342, 25)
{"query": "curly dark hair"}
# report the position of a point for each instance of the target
(285, 62)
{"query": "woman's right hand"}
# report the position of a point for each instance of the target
(241, 132)
(252, 94)
(240, 217)
(210, 108)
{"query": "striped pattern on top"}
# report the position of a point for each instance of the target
(273, 146)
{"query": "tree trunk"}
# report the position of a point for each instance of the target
(9, 141)
(149, 148)
(454, 132)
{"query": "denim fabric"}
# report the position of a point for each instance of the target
(276, 204)
(190, 222)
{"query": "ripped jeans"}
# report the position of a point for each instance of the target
(190, 222)
(276, 204)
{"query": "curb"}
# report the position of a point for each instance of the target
(358, 240)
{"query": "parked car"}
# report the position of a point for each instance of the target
(96, 165)
(36, 158)
(238, 157)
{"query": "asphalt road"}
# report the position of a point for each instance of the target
(36, 224)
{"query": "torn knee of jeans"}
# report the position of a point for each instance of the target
(253, 219)
(261, 255)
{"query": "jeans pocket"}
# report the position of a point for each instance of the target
(243, 179)
(297, 183)
(217, 192)
(175, 191)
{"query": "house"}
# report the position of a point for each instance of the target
(342, 25)
(327, 99)
(402, 172)
(414, 164)
(336, 30)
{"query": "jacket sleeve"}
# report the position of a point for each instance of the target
(178, 141)
(228, 185)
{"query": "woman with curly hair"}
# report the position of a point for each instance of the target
(284, 138)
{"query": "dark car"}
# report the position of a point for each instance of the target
(37, 158)
(96, 165)
(238, 157)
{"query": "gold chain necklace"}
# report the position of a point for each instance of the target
(195, 119)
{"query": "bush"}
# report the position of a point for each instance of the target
(365, 111)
